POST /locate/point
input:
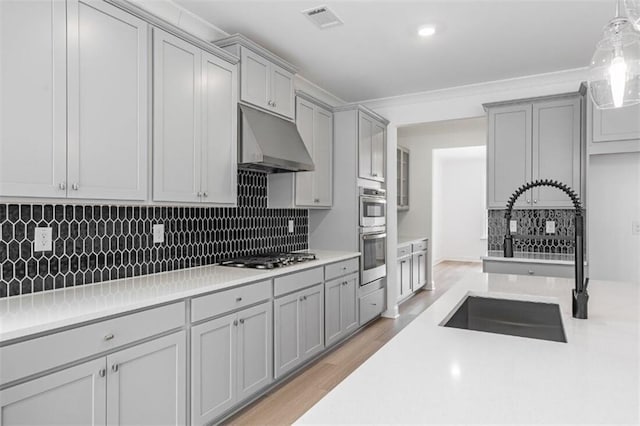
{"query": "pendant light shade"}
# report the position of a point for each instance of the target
(614, 72)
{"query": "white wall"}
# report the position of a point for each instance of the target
(613, 203)
(459, 204)
(421, 141)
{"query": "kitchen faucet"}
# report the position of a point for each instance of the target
(580, 296)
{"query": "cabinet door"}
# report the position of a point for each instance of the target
(349, 303)
(378, 148)
(333, 311)
(146, 384)
(616, 124)
(365, 135)
(282, 94)
(404, 194)
(305, 112)
(176, 119)
(33, 110)
(219, 130)
(75, 396)
(107, 75)
(323, 158)
(255, 349)
(256, 79)
(213, 368)
(419, 275)
(287, 332)
(312, 321)
(508, 154)
(556, 149)
(404, 272)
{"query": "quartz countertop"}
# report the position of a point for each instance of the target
(428, 374)
(23, 316)
(530, 257)
(403, 240)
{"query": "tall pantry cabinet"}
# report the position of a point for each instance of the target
(84, 82)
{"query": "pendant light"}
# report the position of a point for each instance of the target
(614, 73)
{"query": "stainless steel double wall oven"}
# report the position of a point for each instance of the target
(373, 234)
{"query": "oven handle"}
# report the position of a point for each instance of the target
(374, 236)
(376, 199)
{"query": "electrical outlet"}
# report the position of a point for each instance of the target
(291, 226)
(635, 227)
(513, 226)
(43, 240)
(551, 226)
(158, 233)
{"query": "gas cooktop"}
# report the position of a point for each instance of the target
(269, 260)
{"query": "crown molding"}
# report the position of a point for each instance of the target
(239, 39)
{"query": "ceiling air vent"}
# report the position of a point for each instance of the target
(322, 16)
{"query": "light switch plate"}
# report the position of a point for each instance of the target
(43, 240)
(291, 226)
(158, 233)
(550, 226)
(635, 227)
(513, 226)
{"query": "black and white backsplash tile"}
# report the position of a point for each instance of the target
(531, 235)
(94, 243)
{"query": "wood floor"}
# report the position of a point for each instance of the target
(287, 402)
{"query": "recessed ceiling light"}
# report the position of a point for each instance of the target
(426, 31)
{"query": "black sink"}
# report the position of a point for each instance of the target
(513, 317)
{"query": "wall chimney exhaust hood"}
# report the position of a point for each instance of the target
(269, 143)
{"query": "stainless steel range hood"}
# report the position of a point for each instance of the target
(269, 143)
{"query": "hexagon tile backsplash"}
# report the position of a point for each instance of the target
(531, 236)
(94, 243)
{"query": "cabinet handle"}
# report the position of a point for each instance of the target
(345, 283)
(374, 174)
(528, 201)
(199, 194)
(115, 368)
(242, 321)
(274, 104)
(75, 186)
(205, 194)
(535, 201)
(374, 304)
(304, 297)
(108, 337)
(530, 272)
(62, 186)
(235, 323)
(271, 103)
(238, 299)
(102, 372)
(316, 200)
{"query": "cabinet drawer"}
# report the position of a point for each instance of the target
(527, 268)
(422, 245)
(36, 355)
(297, 281)
(371, 305)
(228, 300)
(404, 250)
(341, 268)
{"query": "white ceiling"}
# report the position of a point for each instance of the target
(377, 53)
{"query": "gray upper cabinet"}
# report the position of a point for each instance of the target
(265, 79)
(508, 153)
(372, 140)
(315, 124)
(402, 177)
(615, 130)
(534, 139)
(33, 90)
(195, 143)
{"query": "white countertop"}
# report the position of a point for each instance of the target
(429, 374)
(408, 239)
(530, 257)
(22, 316)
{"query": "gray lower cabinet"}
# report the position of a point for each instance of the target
(419, 273)
(230, 360)
(404, 277)
(341, 308)
(144, 384)
(298, 327)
